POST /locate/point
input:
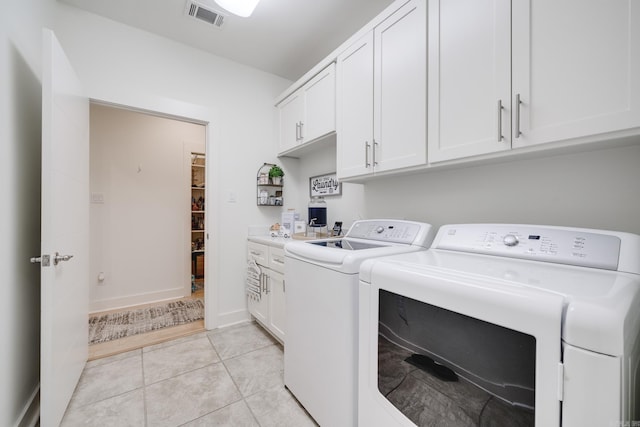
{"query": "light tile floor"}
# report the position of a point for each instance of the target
(226, 377)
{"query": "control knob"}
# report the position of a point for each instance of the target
(510, 240)
(379, 229)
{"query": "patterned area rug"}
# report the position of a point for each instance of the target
(112, 326)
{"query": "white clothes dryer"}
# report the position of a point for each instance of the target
(321, 343)
(503, 325)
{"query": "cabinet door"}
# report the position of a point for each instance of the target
(354, 108)
(276, 304)
(291, 114)
(469, 78)
(400, 93)
(319, 105)
(575, 68)
(260, 309)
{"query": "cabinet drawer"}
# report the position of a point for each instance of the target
(276, 259)
(259, 253)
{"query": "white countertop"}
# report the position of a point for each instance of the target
(277, 242)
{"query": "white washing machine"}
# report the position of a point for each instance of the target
(503, 325)
(321, 278)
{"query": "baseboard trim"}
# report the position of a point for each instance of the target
(133, 300)
(30, 415)
(232, 318)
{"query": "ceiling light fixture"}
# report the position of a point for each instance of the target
(242, 8)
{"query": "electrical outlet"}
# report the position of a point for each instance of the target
(97, 198)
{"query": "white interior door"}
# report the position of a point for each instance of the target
(65, 230)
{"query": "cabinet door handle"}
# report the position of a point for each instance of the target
(366, 154)
(301, 129)
(297, 131)
(500, 108)
(267, 279)
(375, 146)
(518, 103)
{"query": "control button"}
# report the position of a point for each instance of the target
(510, 240)
(380, 229)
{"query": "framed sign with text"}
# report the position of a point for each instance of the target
(325, 185)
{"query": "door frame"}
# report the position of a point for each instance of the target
(198, 114)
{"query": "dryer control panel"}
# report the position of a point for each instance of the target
(392, 231)
(561, 245)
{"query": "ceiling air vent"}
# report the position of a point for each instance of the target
(205, 14)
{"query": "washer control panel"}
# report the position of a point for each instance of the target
(550, 244)
(392, 231)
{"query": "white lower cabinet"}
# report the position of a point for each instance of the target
(268, 306)
(276, 304)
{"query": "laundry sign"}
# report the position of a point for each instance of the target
(325, 185)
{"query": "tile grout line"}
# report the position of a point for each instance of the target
(242, 396)
(213, 347)
(174, 342)
(77, 406)
(144, 388)
(187, 371)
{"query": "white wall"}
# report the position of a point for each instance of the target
(594, 189)
(123, 65)
(347, 207)
(20, 144)
(591, 189)
(138, 232)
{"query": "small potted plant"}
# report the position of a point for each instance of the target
(276, 174)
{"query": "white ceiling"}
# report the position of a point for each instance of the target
(282, 37)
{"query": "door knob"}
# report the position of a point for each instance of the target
(58, 258)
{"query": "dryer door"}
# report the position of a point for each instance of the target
(438, 346)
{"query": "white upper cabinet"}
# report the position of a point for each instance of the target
(469, 78)
(509, 74)
(308, 113)
(291, 112)
(354, 108)
(576, 68)
(381, 96)
(400, 89)
(319, 105)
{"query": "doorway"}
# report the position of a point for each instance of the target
(141, 208)
(198, 221)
